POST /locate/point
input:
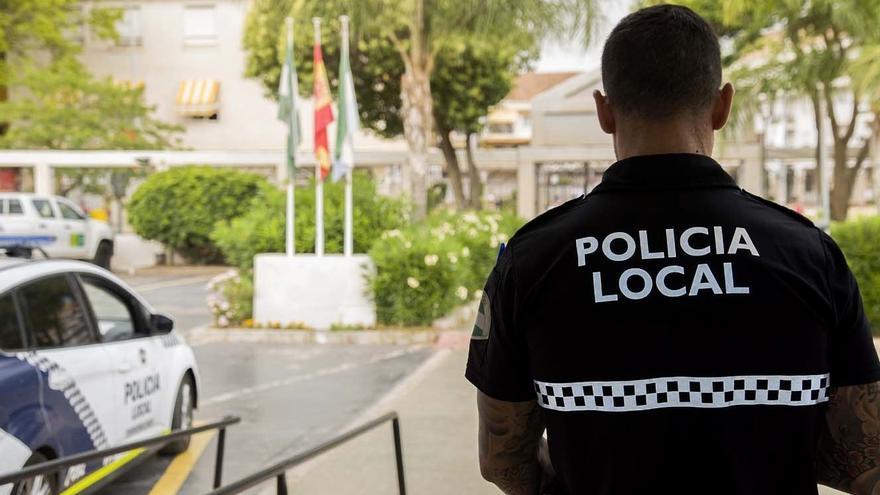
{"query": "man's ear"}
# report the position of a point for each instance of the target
(603, 111)
(721, 107)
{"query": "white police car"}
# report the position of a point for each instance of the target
(85, 364)
(59, 225)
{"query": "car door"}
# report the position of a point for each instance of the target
(135, 354)
(74, 227)
(19, 407)
(48, 223)
(76, 373)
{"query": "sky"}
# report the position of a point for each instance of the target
(573, 56)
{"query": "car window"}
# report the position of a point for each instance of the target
(53, 314)
(10, 332)
(67, 212)
(10, 207)
(43, 207)
(13, 207)
(115, 320)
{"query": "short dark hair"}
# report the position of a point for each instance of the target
(661, 61)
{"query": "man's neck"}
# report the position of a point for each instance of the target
(662, 138)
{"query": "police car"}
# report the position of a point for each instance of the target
(85, 364)
(62, 228)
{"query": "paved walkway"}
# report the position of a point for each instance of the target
(439, 429)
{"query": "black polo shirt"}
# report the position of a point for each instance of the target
(680, 334)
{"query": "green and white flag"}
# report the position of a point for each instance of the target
(348, 121)
(288, 89)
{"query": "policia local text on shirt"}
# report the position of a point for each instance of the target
(671, 332)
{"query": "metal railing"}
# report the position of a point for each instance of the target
(157, 442)
(279, 469)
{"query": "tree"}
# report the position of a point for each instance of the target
(804, 48)
(61, 106)
(469, 78)
(56, 103)
(417, 30)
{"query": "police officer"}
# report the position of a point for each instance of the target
(670, 331)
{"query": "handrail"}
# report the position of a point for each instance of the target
(279, 469)
(58, 464)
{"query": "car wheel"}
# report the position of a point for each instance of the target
(182, 417)
(44, 484)
(103, 254)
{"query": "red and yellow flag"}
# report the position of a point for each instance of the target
(323, 114)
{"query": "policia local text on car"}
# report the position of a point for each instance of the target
(670, 331)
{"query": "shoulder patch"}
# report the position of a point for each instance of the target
(776, 206)
(483, 325)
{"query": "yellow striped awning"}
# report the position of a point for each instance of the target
(198, 97)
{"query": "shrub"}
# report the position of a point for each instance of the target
(179, 207)
(859, 239)
(426, 270)
(230, 298)
(261, 228)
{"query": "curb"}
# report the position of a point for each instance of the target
(207, 335)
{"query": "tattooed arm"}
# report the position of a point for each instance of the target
(509, 438)
(849, 448)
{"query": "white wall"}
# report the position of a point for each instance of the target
(246, 118)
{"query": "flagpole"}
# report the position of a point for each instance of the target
(319, 182)
(291, 168)
(348, 244)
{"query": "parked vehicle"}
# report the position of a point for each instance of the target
(58, 226)
(85, 364)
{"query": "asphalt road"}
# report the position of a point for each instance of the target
(290, 397)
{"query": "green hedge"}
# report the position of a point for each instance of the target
(179, 207)
(261, 228)
(426, 270)
(860, 241)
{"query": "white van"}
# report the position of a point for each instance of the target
(55, 225)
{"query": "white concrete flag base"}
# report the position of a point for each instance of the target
(315, 291)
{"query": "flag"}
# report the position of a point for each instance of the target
(349, 122)
(288, 89)
(323, 114)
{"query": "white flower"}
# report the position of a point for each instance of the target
(407, 244)
(391, 234)
(462, 293)
(224, 306)
(453, 258)
(412, 282)
(465, 252)
(431, 259)
(222, 322)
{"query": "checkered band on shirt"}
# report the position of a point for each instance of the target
(684, 391)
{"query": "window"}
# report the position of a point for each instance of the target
(13, 207)
(53, 314)
(199, 25)
(129, 27)
(501, 128)
(44, 208)
(68, 212)
(115, 321)
(10, 332)
(10, 207)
